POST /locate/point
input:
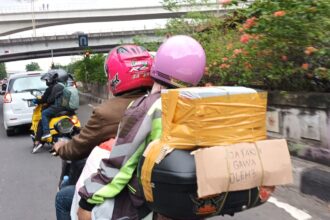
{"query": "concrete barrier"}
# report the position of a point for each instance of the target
(304, 120)
(85, 98)
(316, 182)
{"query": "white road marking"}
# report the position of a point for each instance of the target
(293, 211)
(92, 106)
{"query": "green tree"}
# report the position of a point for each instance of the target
(89, 69)
(149, 45)
(33, 66)
(58, 66)
(272, 44)
(95, 68)
(3, 72)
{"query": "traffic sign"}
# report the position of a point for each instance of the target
(83, 40)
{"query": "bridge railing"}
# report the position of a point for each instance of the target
(39, 8)
(40, 34)
(53, 6)
(94, 34)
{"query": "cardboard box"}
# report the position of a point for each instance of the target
(212, 116)
(242, 166)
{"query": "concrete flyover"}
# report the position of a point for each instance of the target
(63, 45)
(14, 22)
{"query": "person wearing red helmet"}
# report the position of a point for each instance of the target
(179, 62)
(127, 68)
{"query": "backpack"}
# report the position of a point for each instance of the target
(70, 98)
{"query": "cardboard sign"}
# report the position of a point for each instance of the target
(242, 166)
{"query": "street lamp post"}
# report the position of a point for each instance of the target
(33, 19)
(52, 54)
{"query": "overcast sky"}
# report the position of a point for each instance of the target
(25, 5)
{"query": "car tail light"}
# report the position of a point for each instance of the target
(7, 98)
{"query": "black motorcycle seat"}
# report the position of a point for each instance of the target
(68, 113)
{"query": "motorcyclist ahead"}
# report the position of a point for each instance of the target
(46, 100)
(53, 77)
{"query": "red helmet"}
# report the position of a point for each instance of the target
(128, 68)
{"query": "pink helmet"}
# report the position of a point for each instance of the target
(128, 68)
(180, 62)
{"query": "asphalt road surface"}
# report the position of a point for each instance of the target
(28, 185)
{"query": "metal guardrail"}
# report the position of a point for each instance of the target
(88, 32)
(70, 36)
(215, 7)
(51, 7)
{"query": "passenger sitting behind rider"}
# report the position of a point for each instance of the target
(55, 98)
(179, 62)
(127, 68)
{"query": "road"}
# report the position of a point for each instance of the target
(28, 181)
(28, 185)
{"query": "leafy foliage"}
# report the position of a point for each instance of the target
(272, 44)
(33, 66)
(89, 69)
(150, 46)
(58, 66)
(3, 72)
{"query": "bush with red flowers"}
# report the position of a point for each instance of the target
(271, 44)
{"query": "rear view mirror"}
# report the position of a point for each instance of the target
(36, 93)
(3, 89)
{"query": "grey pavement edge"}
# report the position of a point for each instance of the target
(309, 177)
(312, 178)
(87, 98)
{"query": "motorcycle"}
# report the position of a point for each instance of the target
(64, 125)
(69, 169)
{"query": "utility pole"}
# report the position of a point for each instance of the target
(33, 19)
(52, 54)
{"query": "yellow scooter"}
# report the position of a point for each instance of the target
(64, 125)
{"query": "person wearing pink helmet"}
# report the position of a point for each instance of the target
(127, 68)
(113, 192)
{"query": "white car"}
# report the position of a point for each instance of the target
(17, 111)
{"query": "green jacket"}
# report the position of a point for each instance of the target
(140, 125)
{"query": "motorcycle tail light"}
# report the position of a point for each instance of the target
(7, 98)
(74, 120)
(265, 192)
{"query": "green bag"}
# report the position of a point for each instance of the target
(70, 98)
